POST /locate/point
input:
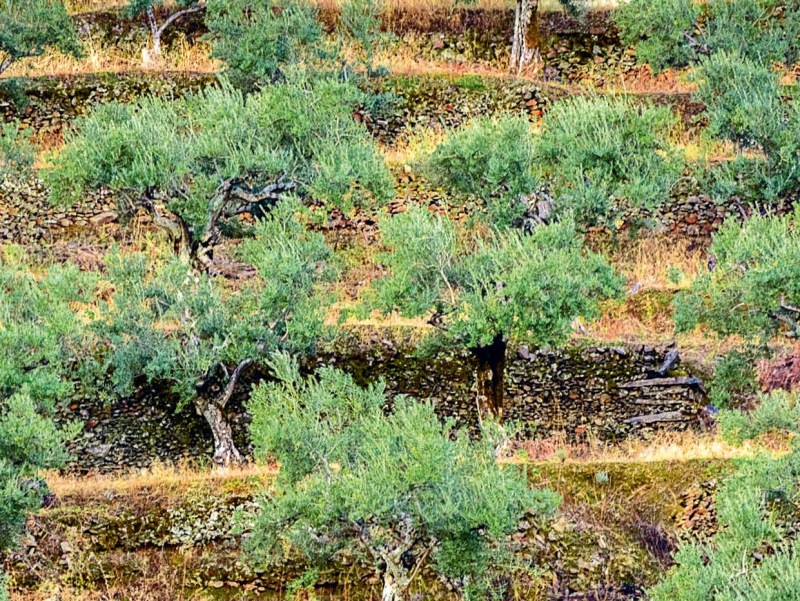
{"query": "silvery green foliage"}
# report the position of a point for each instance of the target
(598, 155)
(734, 46)
(40, 333)
(605, 154)
(752, 293)
(394, 487)
(659, 29)
(755, 284)
(677, 33)
(212, 155)
(265, 42)
(173, 324)
(40, 330)
(752, 557)
(491, 158)
(512, 285)
(747, 105)
(360, 25)
(777, 411)
(28, 27)
(170, 323)
(260, 41)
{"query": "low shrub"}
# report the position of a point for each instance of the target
(753, 557)
(603, 154)
(394, 488)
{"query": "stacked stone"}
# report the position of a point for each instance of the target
(573, 394)
(27, 216)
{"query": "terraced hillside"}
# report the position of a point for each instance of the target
(228, 260)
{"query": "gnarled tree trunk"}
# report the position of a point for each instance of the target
(225, 451)
(491, 371)
(525, 43)
(232, 198)
(394, 585)
(213, 410)
(156, 30)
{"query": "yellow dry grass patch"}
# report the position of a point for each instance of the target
(86, 6)
(663, 447)
(648, 261)
(160, 478)
(182, 56)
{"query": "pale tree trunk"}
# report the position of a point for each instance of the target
(155, 32)
(225, 451)
(491, 378)
(397, 578)
(213, 410)
(5, 63)
(395, 583)
(525, 43)
(390, 590)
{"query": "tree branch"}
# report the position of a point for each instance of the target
(271, 192)
(787, 307)
(419, 563)
(175, 16)
(5, 63)
(229, 388)
(173, 229)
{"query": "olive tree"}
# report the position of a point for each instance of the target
(525, 41)
(213, 156)
(40, 332)
(678, 33)
(754, 555)
(171, 324)
(492, 158)
(259, 41)
(752, 293)
(27, 28)
(397, 490)
(597, 155)
(148, 8)
(748, 107)
(733, 47)
(605, 155)
(481, 292)
(267, 42)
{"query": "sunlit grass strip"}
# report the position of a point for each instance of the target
(86, 6)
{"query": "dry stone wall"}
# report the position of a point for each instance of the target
(421, 104)
(577, 393)
(51, 104)
(27, 216)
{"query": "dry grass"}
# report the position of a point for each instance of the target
(649, 261)
(662, 447)
(157, 479)
(655, 268)
(182, 56)
(86, 6)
